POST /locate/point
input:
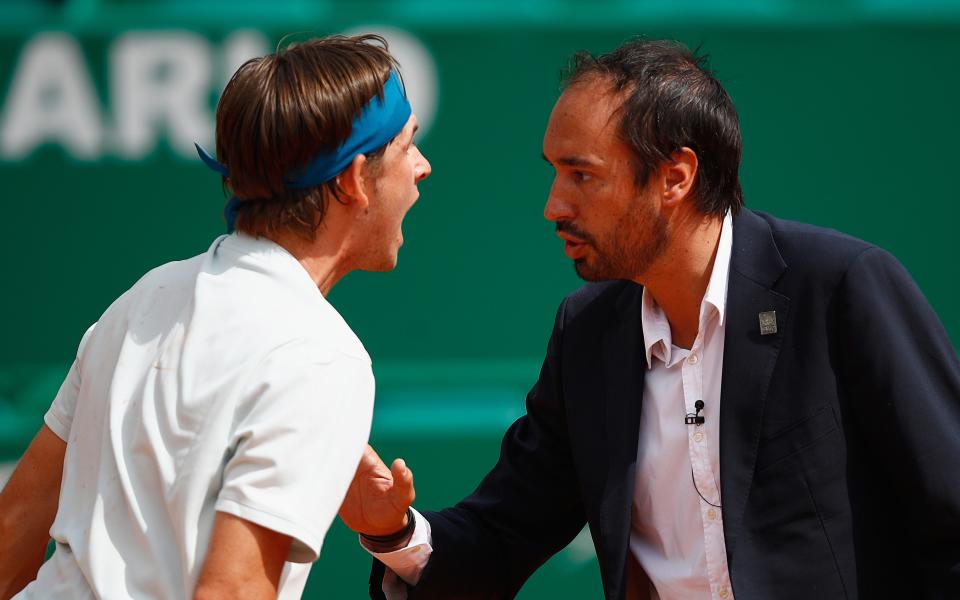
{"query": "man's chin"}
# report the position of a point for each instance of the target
(589, 272)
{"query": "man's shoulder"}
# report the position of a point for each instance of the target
(818, 260)
(807, 247)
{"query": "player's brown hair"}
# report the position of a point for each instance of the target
(280, 111)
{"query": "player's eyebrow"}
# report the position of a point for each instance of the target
(413, 133)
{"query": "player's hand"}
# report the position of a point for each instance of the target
(378, 498)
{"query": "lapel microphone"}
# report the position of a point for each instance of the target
(696, 418)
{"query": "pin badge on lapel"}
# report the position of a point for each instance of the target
(768, 322)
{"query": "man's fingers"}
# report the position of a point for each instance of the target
(378, 497)
(402, 482)
(402, 476)
(370, 458)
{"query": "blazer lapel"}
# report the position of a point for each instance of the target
(749, 357)
(623, 372)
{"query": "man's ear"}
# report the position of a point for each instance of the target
(351, 181)
(679, 175)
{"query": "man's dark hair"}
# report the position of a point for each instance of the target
(672, 100)
(280, 111)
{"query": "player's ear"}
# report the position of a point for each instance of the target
(352, 182)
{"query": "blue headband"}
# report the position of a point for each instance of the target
(378, 123)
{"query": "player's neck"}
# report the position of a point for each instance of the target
(323, 258)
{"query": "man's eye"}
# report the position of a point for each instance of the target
(581, 176)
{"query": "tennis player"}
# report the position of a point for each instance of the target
(206, 434)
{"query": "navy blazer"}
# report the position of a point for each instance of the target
(839, 436)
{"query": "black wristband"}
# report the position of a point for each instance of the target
(392, 538)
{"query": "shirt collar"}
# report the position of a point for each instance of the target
(263, 255)
(656, 328)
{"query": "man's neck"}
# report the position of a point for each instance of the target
(679, 278)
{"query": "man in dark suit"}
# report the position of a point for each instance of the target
(736, 405)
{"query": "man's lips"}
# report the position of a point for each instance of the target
(573, 247)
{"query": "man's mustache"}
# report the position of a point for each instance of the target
(572, 230)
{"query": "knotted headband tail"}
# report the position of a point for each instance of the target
(210, 161)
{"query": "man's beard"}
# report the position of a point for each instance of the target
(637, 241)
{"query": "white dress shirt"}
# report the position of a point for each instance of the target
(676, 535)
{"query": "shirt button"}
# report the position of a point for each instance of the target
(693, 359)
(724, 592)
(698, 437)
(712, 514)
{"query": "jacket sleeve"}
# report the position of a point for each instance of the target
(901, 371)
(525, 510)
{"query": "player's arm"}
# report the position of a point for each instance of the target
(244, 561)
(28, 505)
(301, 427)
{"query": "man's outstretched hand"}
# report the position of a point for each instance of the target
(378, 498)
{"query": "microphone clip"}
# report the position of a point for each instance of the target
(696, 418)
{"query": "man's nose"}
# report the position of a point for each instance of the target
(557, 209)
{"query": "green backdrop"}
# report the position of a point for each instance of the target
(849, 121)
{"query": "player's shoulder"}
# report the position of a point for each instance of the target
(326, 333)
(172, 278)
(180, 273)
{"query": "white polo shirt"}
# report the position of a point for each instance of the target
(225, 382)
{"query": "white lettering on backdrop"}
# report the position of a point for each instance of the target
(51, 99)
(160, 87)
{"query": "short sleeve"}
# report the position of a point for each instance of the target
(59, 417)
(301, 430)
